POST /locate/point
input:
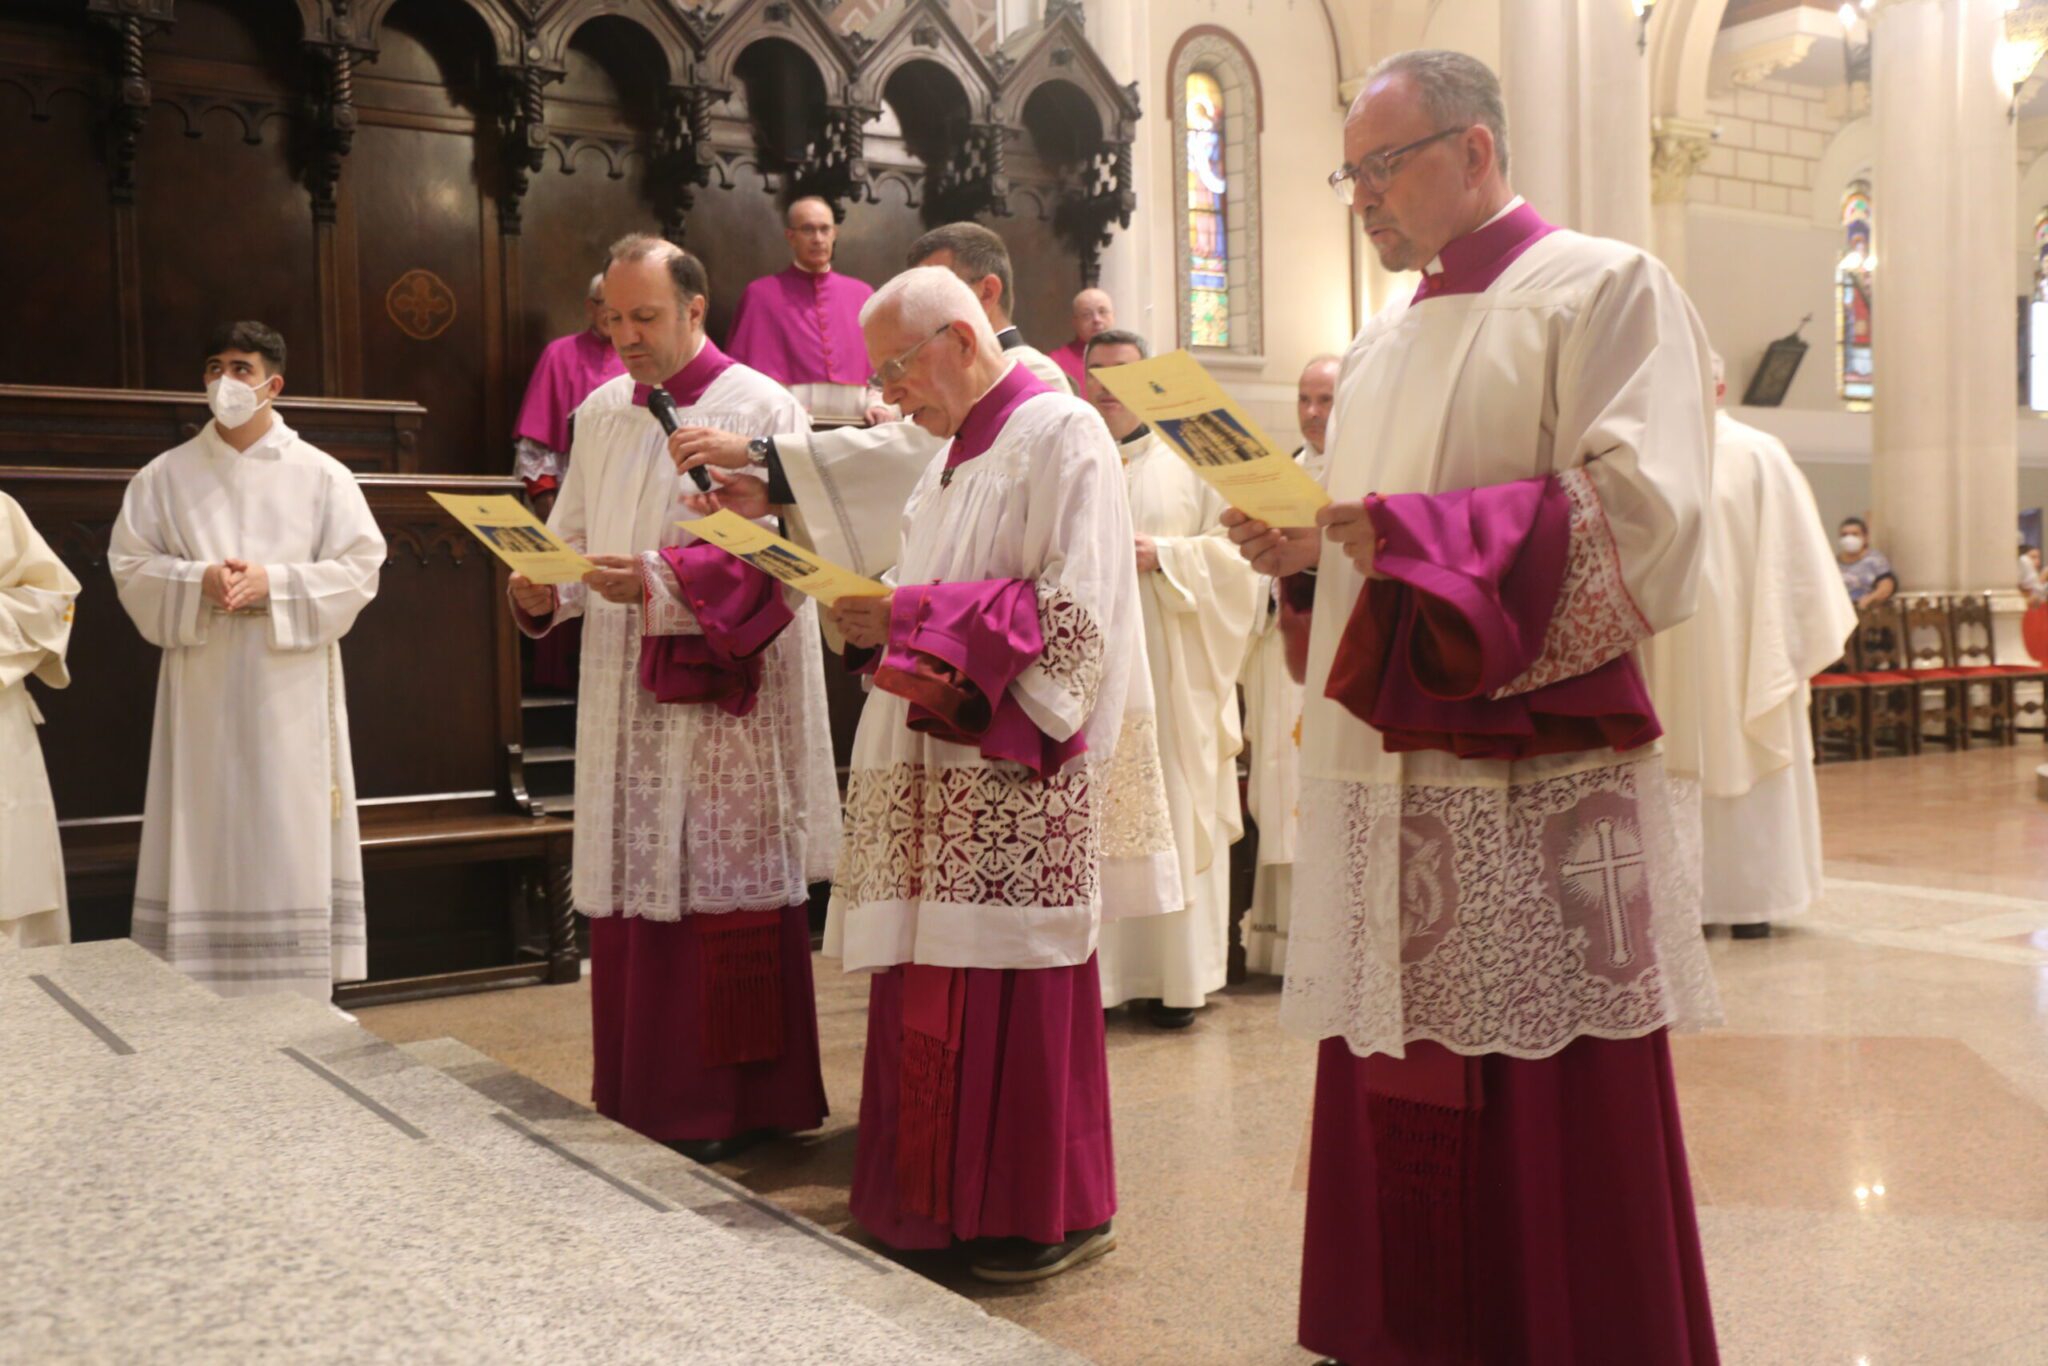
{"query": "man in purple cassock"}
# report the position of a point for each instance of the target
(1004, 795)
(1496, 888)
(801, 326)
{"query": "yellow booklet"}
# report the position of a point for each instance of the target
(516, 536)
(1191, 413)
(780, 559)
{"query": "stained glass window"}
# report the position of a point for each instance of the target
(1208, 203)
(1853, 274)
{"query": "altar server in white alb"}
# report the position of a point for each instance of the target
(36, 597)
(1004, 796)
(246, 554)
(1199, 598)
(1731, 684)
(706, 802)
(1272, 714)
(1496, 915)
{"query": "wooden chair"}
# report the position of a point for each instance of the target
(1838, 710)
(1999, 685)
(1930, 662)
(1891, 696)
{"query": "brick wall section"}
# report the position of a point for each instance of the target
(1772, 137)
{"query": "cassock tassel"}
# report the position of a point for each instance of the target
(928, 1086)
(1425, 1159)
(741, 986)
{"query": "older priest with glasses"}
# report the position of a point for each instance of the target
(1496, 912)
(1004, 795)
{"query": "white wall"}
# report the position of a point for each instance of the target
(1305, 270)
(1752, 278)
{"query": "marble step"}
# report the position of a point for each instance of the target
(259, 1177)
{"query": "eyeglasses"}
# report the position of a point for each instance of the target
(895, 368)
(1377, 171)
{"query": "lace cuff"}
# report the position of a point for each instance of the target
(1595, 620)
(1065, 680)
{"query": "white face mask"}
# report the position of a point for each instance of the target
(1850, 543)
(234, 402)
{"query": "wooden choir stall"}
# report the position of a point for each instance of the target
(414, 192)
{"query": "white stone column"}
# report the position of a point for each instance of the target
(1578, 96)
(1121, 32)
(1012, 15)
(1944, 478)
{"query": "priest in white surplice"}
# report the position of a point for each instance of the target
(842, 489)
(246, 554)
(705, 800)
(1272, 715)
(1731, 684)
(1199, 598)
(1496, 918)
(1004, 795)
(36, 597)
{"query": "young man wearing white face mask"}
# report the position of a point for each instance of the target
(245, 555)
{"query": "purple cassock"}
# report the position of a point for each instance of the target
(1478, 1209)
(1071, 359)
(737, 1048)
(985, 1096)
(568, 369)
(799, 328)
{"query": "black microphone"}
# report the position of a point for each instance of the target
(663, 406)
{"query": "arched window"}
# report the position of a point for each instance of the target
(1215, 149)
(1208, 214)
(1853, 276)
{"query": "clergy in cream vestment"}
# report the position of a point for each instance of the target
(705, 802)
(1731, 684)
(1198, 599)
(245, 555)
(1495, 912)
(36, 597)
(1272, 716)
(1004, 796)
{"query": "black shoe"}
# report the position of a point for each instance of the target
(709, 1150)
(1760, 930)
(1164, 1016)
(1014, 1261)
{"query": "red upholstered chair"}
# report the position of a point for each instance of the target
(1891, 694)
(2007, 691)
(1930, 662)
(1838, 709)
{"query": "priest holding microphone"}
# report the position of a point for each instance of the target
(707, 803)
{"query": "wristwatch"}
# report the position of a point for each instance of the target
(759, 448)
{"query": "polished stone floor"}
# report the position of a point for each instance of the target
(1869, 1135)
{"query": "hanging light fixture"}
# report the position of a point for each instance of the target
(1643, 9)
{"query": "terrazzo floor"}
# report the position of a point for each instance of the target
(1869, 1135)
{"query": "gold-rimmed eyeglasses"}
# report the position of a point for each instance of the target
(895, 368)
(1377, 171)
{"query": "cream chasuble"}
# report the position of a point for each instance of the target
(1198, 607)
(251, 875)
(1496, 906)
(1731, 684)
(36, 597)
(1272, 723)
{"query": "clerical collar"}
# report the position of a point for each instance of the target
(1473, 262)
(984, 421)
(1139, 434)
(1009, 339)
(688, 384)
